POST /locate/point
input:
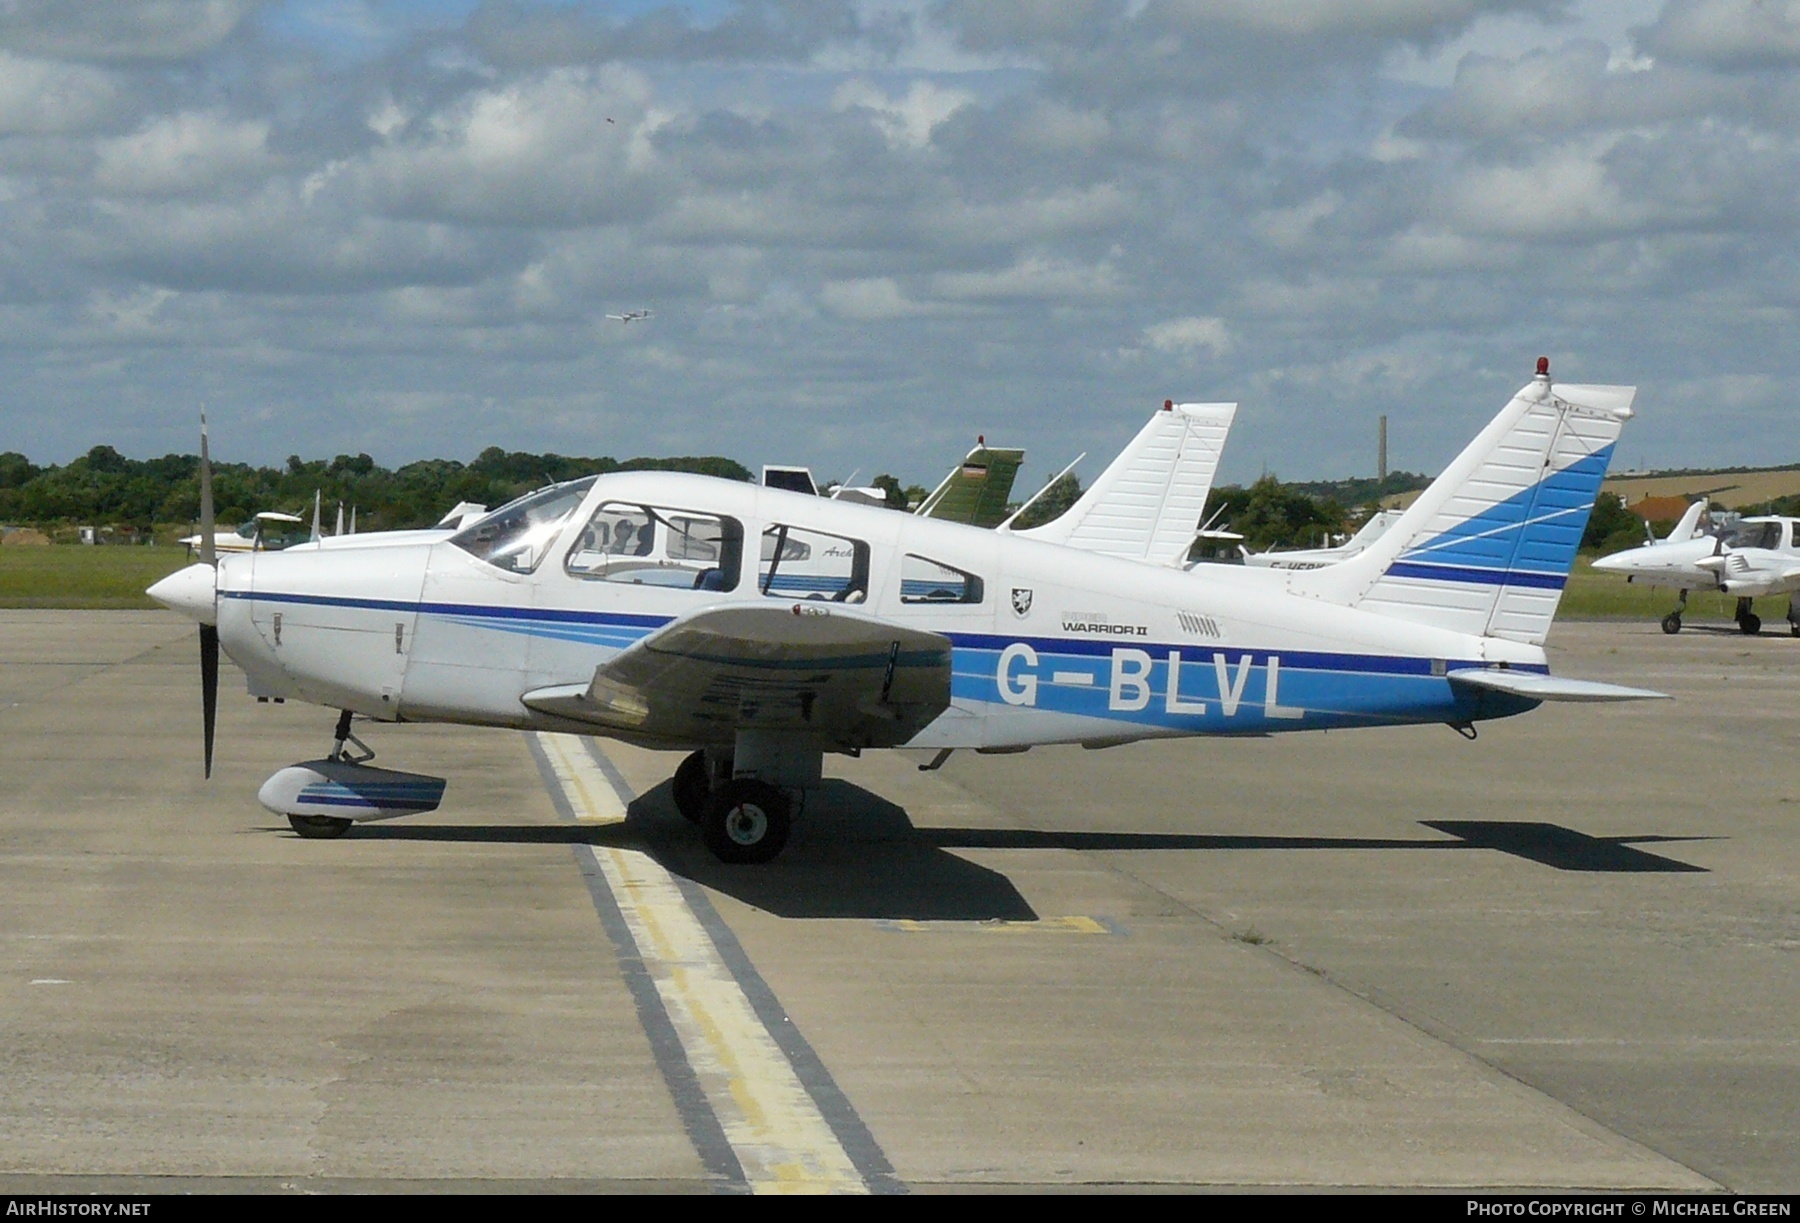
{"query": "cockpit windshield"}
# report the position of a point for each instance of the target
(516, 536)
(1755, 535)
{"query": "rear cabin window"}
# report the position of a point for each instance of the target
(923, 580)
(798, 563)
(650, 545)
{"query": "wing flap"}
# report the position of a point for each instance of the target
(843, 677)
(1551, 687)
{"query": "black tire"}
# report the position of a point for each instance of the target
(318, 827)
(1672, 623)
(691, 787)
(1750, 625)
(746, 822)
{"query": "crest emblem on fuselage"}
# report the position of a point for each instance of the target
(1021, 601)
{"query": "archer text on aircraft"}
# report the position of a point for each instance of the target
(911, 633)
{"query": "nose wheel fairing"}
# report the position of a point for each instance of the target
(344, 789)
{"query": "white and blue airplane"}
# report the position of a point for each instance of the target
(929, 635)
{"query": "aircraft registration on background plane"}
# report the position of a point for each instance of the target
(1755, 558)
(1318, 558)
(923, 634)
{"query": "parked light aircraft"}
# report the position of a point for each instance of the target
(269, 531)
(1756, 557)
(1318, 558)
(928, 635)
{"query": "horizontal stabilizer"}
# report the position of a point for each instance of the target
(1540, 687)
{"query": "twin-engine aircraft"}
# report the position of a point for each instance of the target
(1756, 558)
(911, 632)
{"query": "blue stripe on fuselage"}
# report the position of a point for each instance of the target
(1076, 675)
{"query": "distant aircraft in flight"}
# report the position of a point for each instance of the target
(632, 316)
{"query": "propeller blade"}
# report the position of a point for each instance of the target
(209, 687)
(209, 633)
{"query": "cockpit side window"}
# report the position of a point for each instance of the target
(1756, 535)
(649, 545)
(516, 536)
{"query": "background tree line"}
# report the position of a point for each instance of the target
(105, 487)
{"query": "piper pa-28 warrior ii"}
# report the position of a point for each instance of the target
(917, 633)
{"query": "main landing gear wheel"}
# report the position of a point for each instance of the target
(691, 787)
(1672, 623)
(745, 822)
(1750, 625)
(319, 827)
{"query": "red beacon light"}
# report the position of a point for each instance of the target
(1543, 367)
(1168, 405)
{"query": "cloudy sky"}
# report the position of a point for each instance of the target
(870, 229)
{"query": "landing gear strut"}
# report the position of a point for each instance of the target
(1748, 622)
(341, 736)
(1671, 623)
(1793, 616)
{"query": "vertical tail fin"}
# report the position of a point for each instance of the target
(1146, 505)
(976, 490)
(1488, 547)
(1689, 526)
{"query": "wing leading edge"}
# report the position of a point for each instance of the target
(842, 677)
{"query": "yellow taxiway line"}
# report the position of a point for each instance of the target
(771, 1121)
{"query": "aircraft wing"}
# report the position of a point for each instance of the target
(1542, 687)
(820, 669)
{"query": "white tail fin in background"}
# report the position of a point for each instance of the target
(1689, 526)
(1146, 505)
(1488, 547)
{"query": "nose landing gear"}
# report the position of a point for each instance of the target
(1748, 622)
(322, 798)
(1671, 623)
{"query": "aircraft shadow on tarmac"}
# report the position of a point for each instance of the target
(1549, 844)
(854, 854)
